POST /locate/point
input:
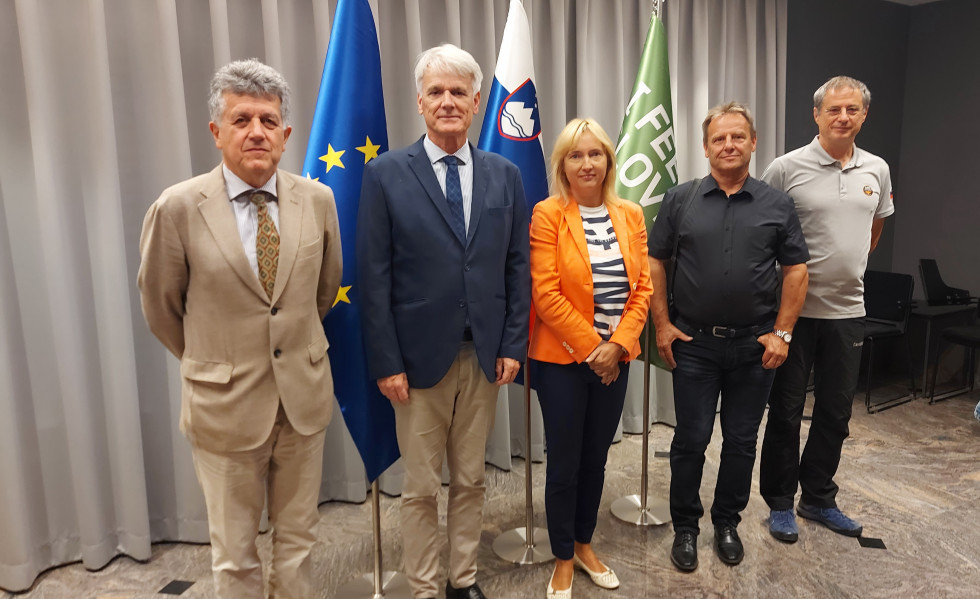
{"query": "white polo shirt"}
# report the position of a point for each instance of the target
(836, 206)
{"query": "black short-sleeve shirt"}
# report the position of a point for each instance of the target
(727, 250)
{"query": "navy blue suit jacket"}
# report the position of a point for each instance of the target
(418, 280)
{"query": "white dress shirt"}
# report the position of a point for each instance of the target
(465, 156)
(246, 213)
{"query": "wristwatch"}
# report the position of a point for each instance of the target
(784, 335)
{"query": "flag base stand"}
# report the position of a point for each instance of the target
(526, 545)
(513, 546)
(394, 585)
(639, 509)
(629, 509)
(378, 584)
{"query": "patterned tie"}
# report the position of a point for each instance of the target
(266, 244)
(454, 196)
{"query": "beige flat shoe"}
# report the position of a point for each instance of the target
(562, 594)
(606, 580)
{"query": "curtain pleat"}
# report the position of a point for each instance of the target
(105, 105)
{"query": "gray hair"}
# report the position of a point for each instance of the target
(448, 58)
(248, 78)
(841, 82)
(723, 109)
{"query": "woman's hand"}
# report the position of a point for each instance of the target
(604, 361)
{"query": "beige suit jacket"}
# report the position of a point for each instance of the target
(240, 352)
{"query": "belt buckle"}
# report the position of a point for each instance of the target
(724, 332)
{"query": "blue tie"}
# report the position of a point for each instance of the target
(454, 197)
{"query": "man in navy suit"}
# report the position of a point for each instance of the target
(442, 252)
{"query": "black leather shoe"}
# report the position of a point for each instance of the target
(729, 545)
(471, 592)
(684, 553)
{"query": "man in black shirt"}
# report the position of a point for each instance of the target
(726, 332)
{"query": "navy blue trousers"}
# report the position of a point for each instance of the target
(708, 366)
(581, 416)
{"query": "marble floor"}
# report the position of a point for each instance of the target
(911, 475)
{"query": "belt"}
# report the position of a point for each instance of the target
(727, 332)
(467, 334)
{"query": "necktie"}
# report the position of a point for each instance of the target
(266, 244)
(454, 197)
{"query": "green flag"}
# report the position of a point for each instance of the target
(645, 155)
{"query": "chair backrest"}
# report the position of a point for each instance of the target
(888, 296)
(938, 293)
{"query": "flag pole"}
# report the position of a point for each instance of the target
(527, 545)
(640, 509)
(637, 509)
(379, 584)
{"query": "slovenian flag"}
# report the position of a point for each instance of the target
(512, 125)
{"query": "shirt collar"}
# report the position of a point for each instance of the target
(435, 153)
(825, 159)
(751, 187)
(236, 187)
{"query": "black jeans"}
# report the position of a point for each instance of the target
(832, 348)
(580, 416)
(708, 366)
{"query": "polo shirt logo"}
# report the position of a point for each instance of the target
(867, 190)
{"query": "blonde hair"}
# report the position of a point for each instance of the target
(567, 140)
(722, 110)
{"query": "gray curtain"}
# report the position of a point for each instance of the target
(104, 105)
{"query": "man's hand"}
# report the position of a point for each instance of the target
(776, 351)
(604, 361)
(665, 339)
(395, 388)
(506, 370)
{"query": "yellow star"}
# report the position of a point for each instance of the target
(342, 296)
(317, 179)
(332, 158)
(369, 150)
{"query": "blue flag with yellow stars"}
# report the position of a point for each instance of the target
(349, 130)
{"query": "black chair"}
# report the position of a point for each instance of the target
(887, 304)
(938, 293)
(969, 337)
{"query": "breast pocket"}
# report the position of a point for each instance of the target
(309, 250)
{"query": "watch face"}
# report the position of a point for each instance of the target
(787, 337)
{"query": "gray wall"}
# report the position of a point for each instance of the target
(940, 203)
(868, 40)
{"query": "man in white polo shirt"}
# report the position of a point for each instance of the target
(842, 195)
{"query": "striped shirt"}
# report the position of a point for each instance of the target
(610, 284)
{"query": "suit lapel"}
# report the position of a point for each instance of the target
(217, 212)
(481, 179)
(573, 219)
(617, 216)
(420, 165)
(290, 222)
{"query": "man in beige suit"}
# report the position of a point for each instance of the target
(239, 266)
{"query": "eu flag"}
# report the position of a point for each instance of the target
(512, 125)
(349, 130)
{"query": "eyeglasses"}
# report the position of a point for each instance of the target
(835, 111)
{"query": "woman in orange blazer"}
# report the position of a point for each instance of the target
(591, 290)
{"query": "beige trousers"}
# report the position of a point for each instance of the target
(286, 469)
(452, 418)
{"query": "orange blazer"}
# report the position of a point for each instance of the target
(561, 281)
